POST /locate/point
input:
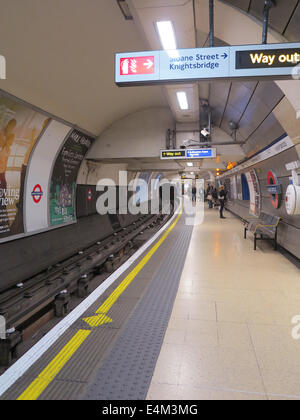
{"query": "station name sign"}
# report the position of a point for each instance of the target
(247, 62)
(188, 154)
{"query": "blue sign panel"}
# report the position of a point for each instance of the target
(274, 189)
(249, 61)
(200, 153)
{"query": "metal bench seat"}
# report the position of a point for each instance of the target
(264, 228)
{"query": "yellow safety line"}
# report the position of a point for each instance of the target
(105, 307)
(36, 388)
(48, 374)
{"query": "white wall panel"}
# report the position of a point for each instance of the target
(39, 173)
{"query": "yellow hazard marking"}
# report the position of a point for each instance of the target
(48, 374)
(36, 388)
(95, 321)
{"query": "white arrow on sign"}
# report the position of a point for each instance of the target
(148, 64)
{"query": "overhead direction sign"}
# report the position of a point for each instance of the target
(249, 61)
(201, 153)
(188, 154)
(172, 154)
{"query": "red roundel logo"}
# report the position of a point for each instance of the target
(274, 189)
(90, 195)
(37, 194)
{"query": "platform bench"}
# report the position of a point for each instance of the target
(264, 228)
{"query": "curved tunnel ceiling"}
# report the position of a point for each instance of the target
(60, 57)
(68, 69)
(284, 18)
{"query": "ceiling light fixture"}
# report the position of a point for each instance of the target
(125, 9)
(190, 164)
(182, 100)
(167, 37)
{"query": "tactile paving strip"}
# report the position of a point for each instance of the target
(127, 371)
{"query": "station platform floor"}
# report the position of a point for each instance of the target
(230, 332)
(197, 315)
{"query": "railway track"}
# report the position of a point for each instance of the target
(54, 287)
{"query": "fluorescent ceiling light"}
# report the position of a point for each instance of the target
(190, 164)
(125, 9)
(167, 37)
(182, 100)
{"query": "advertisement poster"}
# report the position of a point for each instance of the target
(20, 128)
(64, 177)
(239, 187)
(255, 195)
(233, 188)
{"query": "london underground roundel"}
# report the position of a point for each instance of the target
(37, 193)
(275, 189)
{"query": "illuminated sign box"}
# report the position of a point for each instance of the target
(201, 153)
(188, 154)
(193, 64)
(172, 154)
(258, 59)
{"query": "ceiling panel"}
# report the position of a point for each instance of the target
(293, 30)
(239, 98)
(265, 98)
(279, 15)
(269, 131)
(219, 92)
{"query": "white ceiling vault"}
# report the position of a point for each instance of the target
(60, 57)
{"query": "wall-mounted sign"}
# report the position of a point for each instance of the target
(292, 200)
(64, 176)
(249, 61)
(274, 189)
(37, 194)
(282, 145)
(188, 154)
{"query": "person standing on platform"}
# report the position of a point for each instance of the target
(222, 196)
(194, 192)
(215, 196)
(210, 199)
